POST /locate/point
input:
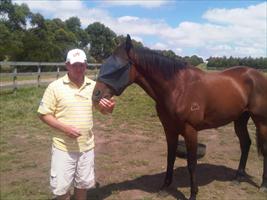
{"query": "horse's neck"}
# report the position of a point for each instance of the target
(141, 81)
(153, 83)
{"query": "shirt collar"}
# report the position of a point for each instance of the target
(67, 80)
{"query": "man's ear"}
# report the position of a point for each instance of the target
(129, 44)
(67, 65)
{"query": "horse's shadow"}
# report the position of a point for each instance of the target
(206, 173)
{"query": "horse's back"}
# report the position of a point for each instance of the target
(221, 97)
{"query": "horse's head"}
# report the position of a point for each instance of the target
(116, 73)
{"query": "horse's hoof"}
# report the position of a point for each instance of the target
(263, 187)
(240, 177)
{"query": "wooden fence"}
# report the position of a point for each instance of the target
(38, 73)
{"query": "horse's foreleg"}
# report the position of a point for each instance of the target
(191, 145)
(171, 138)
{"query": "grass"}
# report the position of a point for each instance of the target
(20, 131)
(25, 140)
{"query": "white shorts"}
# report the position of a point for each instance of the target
(69, 168)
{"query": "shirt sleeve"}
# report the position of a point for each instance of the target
(48, 102)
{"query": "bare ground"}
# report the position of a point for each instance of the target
(131, 165)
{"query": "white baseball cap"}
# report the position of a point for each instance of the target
(76, 55)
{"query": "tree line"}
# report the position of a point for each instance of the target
(224, 62)
(28, 36)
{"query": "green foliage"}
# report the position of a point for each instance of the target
(193, 60)
(169, 53)
(73, 24)
(38, 20)
(102, 40)
(15, 15)
(120, 39)
(224, 62)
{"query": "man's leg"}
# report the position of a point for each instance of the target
(63, 165)
(85, 175)
(80, 194)
(64, 197)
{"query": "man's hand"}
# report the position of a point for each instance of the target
(72, 131)
(106, 106)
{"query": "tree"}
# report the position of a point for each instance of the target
(37, 20)
(13, 27)
(15, 15)
(102, 40)
(120, 39)
(194, 60)
(74, 25)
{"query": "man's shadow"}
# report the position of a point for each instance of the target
(206, 173)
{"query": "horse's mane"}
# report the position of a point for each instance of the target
(152, 61)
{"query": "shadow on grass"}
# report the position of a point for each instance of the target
(206, 173)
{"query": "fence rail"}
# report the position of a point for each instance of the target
(38, 73)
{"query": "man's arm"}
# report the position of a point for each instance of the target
(54, 123)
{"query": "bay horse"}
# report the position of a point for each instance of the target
(189, 100)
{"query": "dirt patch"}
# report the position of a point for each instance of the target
(131, 165)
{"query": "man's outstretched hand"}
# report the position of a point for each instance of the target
(106, 106)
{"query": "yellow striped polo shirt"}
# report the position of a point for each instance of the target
(73, 106)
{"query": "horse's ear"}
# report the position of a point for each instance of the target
(129, 44)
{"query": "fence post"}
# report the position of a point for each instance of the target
(96, 72)
(39, 75)
(15, 79)
(58, 72)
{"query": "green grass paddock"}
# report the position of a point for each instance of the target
(25, 141)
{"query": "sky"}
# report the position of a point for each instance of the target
(194, 27)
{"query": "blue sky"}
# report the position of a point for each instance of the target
(205, 28)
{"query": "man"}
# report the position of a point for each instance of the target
(67, 107)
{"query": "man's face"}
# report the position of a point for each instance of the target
(76, 69)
